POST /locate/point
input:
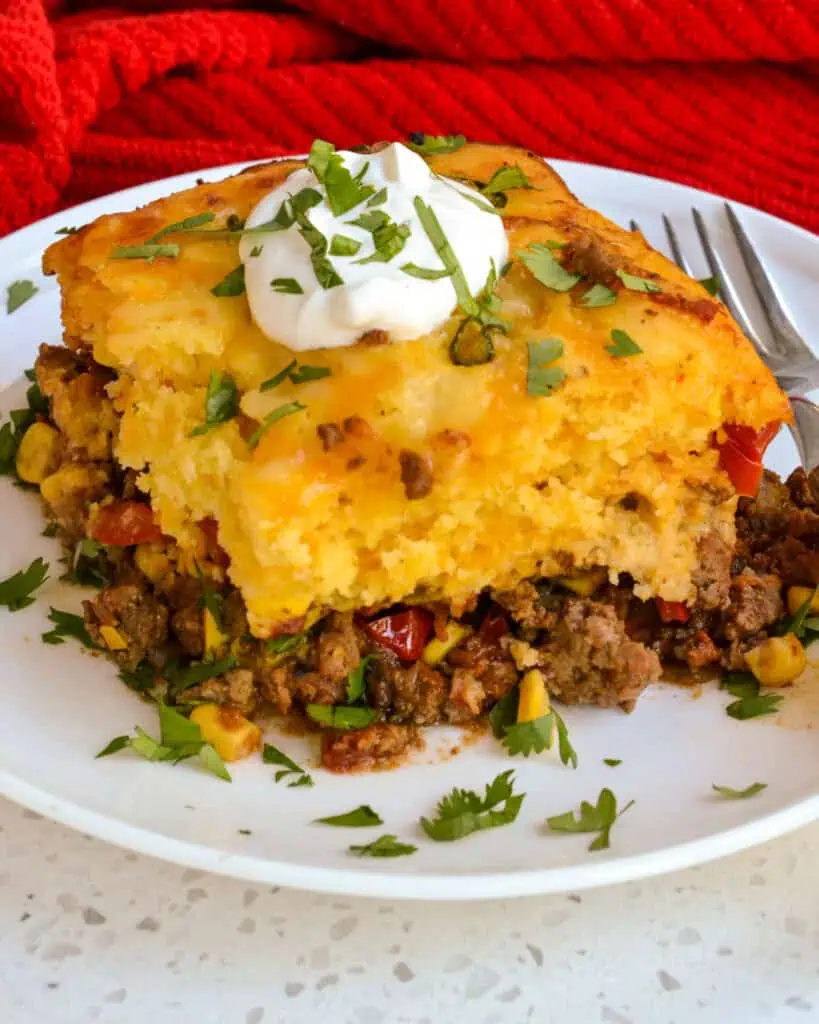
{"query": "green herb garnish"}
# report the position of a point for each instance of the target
(196, 672)
(271, 418)
(505, 178)
(356, 685)
(16, 590)
(637, 284)
(612, 762)
(256, 251)
(440, 243)
(67, 624)
(343, 190)
(281, 645)
(711, 285)
(179, 739)
(18, 293)
(141, 679)
(542, 378)
(144, 252)
(88, 566)
(67, 231)
(533, 737)
(598, 295)
(750, 702)
(740, 794)
(424, 272)
(340, 716)
(343, 245)
(389, 240)
(545, 268)
(322, 267)
(463, 811)
(289, 769)
(622, 345)
(286, 286)
(221, 402)
(430, 145)
(231, 285)
(378, 199)
(384, 846)
(591, 818)
(362, 817)
(796, 623)
(188, 224)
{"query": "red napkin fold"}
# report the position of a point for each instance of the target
(716, 93)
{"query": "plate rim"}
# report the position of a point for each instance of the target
(389, 884)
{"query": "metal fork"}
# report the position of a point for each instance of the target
(787, 355)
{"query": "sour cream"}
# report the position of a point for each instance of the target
(302, 314)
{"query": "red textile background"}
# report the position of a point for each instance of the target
(717, 93)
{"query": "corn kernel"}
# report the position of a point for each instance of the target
(797, 597)
(436, 650)
(214, 637)
(114, 640)
(778, 660)
(230, 734)
(152, 561)
(583, 583)
(533, 699)
(38, 453)
(69, 479)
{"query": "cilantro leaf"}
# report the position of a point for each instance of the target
(339, 716)
(196, 672)
(598, 295)
(597, 817)
(429, 145)
(276, 379)
(342, 189)
(750, 702)
(271, 418)
(362, 817)
(532, 737)
(356, 686)
(16, 590)
(281, 645)
(440, 243)
(18, 293)
(378, 199)
(9, 443)
(343, 245)
(463, 811)
(256, 251)
(546, 269)
(67, 231)
(231, 285)
(795, 623)
(305, 372)
(740, 794)
(141, 679)
(568, 755)
(324, 270)
(623, 345)
(637, 284)
(144, 252)
(286, 286)
(504, 714)
(384, 846)
(505, 178)
(612, 762)
(711, 285)
(67, 624)
(541, 377)
(289, 769)
(389, 240)
(188, 224)
(221, 402)
(179, 740)
(88, 566)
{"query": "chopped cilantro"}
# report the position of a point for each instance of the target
(324, 270)
(463, 811)
(378, 199)
(343, 245)
(232, 284)
(503, 179)
(144, 252)
(195, 673)
(740, 794)
(542, 378)
(384, 846)
(188, 224)
(305, 372)
(591, 818)
(286, 286)
(440, 243)
(425, 273)
(389, 240)
(612, 762)
(711, 285)
(256, 251)
(622, 345)
(356, 685)
(545, 268)
(18, 293)
(796, 623)
(67, 231)
(340, 716)
(343, 190)
(637, 284)
(221, 402)
(16, 590)
(278, 414)
(281, 645)
(430, 145)
(362, 817)
(750, 703)
(88, 565)
(67, 624)
(598, 295)
(288, 767)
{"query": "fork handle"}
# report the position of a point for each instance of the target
(805, 431)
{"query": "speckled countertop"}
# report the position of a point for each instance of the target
(89, 932)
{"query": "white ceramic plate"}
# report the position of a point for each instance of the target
(60, 706)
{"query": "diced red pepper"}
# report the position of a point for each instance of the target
(404, 633)
(122, 523)
(494, 626)
(672, 611)
(741, 455)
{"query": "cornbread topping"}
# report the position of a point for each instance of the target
(347, 251)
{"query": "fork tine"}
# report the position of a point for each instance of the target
(728, 293)
(676, 251)
(786, 339)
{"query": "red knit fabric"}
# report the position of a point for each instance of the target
(722, 94)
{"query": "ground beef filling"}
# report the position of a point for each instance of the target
(601, 646)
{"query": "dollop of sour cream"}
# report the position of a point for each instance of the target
(291, 305)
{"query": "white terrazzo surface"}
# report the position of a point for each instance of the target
(89, 932)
